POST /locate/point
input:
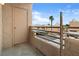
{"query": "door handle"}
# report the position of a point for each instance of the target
(14, 27)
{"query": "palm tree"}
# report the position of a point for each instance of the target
(66, 27)
(51, 20)
(48, 24)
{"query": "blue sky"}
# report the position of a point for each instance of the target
(42, 11)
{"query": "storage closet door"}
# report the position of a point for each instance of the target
(20, 22)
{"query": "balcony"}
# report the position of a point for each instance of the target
(38, 40)
(44, 42)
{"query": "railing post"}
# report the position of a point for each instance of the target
(61, 32)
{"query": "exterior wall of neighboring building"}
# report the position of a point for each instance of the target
(47, 28)
(8, 19)
(74, 23)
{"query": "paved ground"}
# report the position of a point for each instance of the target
(21, 50)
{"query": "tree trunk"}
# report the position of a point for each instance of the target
(51, 25)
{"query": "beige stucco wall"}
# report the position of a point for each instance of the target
(7, 26)
(0, 28)
(8, 21)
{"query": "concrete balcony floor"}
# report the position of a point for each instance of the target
(21, 50)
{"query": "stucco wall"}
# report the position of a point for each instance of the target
(0, 28)
(7, 26)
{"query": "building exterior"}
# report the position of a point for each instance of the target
(74, 23)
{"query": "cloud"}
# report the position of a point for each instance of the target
(38, 18)
(69, 11)
(75, 12)
(69, 14)
(36, 13)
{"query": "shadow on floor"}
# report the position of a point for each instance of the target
(21, 50)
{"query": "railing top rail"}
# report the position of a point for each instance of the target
(47, 26)
(52, 27)
(47, 31)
